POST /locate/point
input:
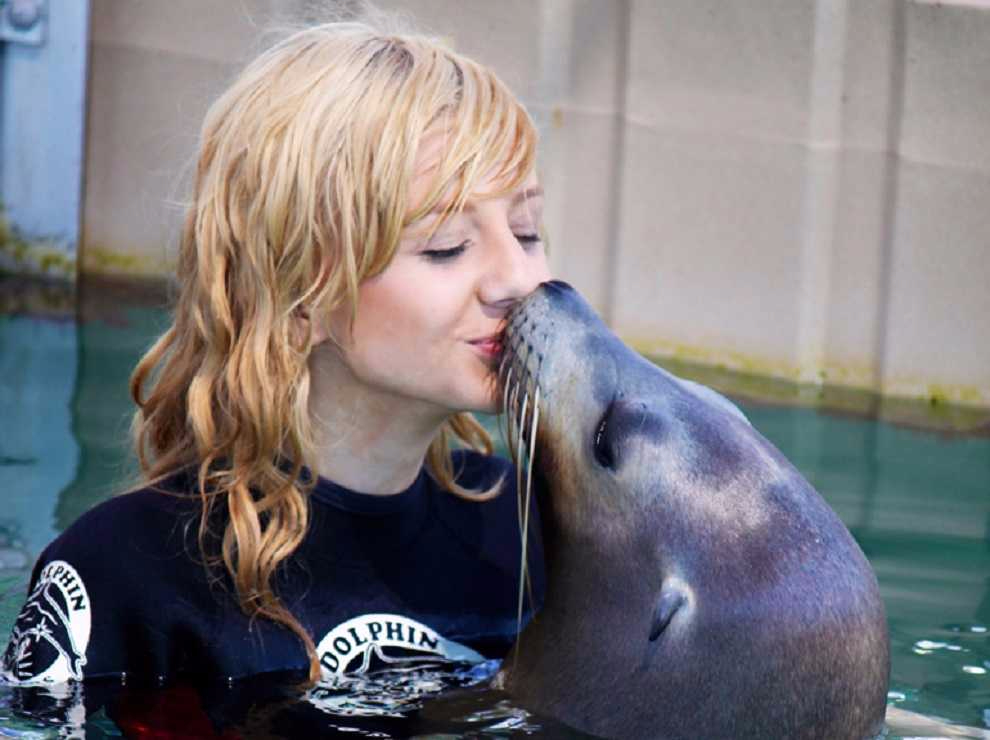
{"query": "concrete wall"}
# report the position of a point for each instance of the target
(798, 188)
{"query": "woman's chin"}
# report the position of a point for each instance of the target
(484, 403)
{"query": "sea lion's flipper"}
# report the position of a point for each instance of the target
(671, 599)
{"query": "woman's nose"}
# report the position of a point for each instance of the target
(514, 269)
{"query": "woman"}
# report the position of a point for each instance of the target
(364, 215)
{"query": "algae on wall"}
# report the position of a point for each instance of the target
(35, 256)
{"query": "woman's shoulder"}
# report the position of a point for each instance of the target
(142, 521)
(173, 494)
(107, 583)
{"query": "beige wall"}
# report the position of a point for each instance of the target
(793, 187)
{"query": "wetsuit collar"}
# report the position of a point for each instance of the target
(368, 504)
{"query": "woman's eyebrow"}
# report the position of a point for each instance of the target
(524, 195)
(520, 197)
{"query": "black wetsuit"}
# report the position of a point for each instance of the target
(421, 575)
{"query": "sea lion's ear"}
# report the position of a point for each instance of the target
(671, 599)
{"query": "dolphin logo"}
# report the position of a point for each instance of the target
(49, 639)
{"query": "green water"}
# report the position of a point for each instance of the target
(919, 506)
(917, 502)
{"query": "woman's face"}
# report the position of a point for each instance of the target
(425, 327)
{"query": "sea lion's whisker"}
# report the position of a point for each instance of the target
(519, 513)
(512, 409)
(521, 418)
(520, 403)
(501, 364)
(534, 424)
(519, 447)
(506, 385)
(505, 369)
(520, 399)
(513, 422)
(525, 584)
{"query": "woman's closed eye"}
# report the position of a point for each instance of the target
(444, 255)
(450, 253)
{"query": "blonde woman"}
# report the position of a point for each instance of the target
(365, 212)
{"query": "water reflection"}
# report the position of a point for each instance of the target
(450, 701)
(39, 455)
(43, 711)
(38, 451)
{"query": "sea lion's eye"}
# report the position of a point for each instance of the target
(603, 451)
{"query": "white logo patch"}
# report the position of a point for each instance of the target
(49, 639)
(385, 665)
(383, 640)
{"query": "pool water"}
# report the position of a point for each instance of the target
(918, 503)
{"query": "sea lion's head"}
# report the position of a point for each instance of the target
(619, 440)
(683, 553)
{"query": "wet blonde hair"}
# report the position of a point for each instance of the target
(300, 194)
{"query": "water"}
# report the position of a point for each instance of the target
(918, 503)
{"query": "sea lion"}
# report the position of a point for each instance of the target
(697, 585)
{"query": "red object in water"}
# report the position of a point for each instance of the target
(165, 714)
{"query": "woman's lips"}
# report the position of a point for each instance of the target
(488, 347)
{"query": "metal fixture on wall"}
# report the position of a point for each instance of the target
(23, 21)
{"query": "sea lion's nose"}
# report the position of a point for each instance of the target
(558, 285)
(560, 293)
(564, 300)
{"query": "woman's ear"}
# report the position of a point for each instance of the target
(304, 318)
